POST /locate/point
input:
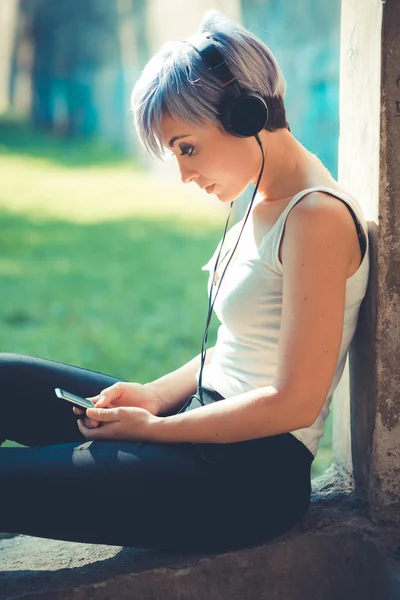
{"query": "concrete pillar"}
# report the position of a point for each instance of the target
(369, 167)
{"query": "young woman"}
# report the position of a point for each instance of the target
(216, 454)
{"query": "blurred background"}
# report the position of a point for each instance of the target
(101, 248)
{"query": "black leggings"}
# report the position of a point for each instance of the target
(179, 496)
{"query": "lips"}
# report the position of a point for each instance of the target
(209, 189)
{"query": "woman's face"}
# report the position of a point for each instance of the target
(216, 161)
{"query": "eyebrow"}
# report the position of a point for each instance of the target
(175, 138)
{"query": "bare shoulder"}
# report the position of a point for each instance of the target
(321, 215)
(322, 202)
(325, 210)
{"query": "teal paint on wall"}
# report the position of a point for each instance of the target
(304, 36)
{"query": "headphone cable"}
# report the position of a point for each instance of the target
(211, 300)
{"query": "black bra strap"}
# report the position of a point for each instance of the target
(360, 233)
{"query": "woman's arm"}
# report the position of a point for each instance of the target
(258, 413)
(175, 387)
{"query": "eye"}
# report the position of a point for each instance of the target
(186, 150)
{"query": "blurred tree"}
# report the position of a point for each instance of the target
(71, 41)
(8, 26)
(82, 52)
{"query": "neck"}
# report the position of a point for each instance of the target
(287, 163)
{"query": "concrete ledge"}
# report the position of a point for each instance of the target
(335, 552)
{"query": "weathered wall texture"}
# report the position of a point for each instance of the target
(369, 167)
(385, 480)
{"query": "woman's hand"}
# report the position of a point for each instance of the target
(122, 423)
(124, 394)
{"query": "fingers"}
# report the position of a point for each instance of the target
(102, 400)
(91, 423)
(79, 411)
(82, 413)
(104, 414)
(94, 399)
(109, 394)
(105, 432)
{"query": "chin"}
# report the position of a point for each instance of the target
(227, 198)
(222, 194)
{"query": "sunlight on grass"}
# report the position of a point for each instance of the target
(39, 187)
(87, 181)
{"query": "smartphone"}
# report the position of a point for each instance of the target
(75, 400)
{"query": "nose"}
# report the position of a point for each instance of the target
(188, 174)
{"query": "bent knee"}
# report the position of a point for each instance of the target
(14, 366)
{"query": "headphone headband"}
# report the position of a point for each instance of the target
(212, 57)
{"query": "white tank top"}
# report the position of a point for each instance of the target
(249, 306)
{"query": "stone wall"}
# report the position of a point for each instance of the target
(370, 168)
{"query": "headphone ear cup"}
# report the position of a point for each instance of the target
(244, 116)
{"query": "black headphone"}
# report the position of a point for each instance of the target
(243, 113)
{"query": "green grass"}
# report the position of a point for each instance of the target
(123, 297)
(99, 262)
